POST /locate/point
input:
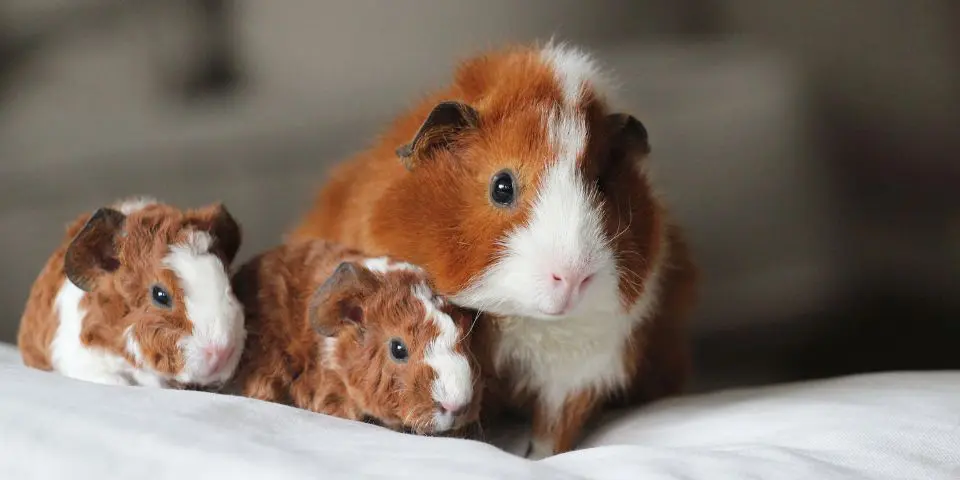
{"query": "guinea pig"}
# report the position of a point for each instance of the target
(526, 196)
(138, 293)
(335, 332)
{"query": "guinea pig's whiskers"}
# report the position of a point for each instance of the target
(489, 305)
(619, 233)
(626, 252)
(635, 275)
(425, 427)
(626, 228)
(473, 357)
(408, 421)
(469, 330)
(632, 279)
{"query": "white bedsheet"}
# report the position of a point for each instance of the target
(887, 426)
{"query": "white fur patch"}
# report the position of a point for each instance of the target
(211, 306)
(540, 449)
(142, 374)
(386, 264)
(134, 204)
(453, 384)
(133, 347)
(328, 358)
(73, 359)
(574, 68)
(567, 133)
(148, 378)
(578, 353)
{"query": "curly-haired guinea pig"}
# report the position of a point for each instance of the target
(525, 195)
(138, 293)
(335, 332)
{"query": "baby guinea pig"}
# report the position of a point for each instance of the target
(332, 331)
(138, 293)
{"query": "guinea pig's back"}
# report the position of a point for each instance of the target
(39, 321)
(274, 288)
(342, 206)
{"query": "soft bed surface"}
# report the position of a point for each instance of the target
(885, 426)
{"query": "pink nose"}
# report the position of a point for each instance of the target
(571, 282)
(453, 408)
(567, 288)
(216, 357)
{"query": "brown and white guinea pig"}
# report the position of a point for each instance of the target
(524, 194)
(335, 332)
(138, 293)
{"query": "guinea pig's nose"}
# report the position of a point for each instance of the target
(570, 282)
(566, 286)
(454, 409)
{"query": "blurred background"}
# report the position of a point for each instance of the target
(808, 146)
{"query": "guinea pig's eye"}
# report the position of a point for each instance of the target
(398, 350)
(502, 191)
(161, 297)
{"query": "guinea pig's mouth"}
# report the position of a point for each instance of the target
(426, 428)
(458, 429)
(370, 419)
(422, 433)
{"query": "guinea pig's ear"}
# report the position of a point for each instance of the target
(443, 123)
(93, 251)
(627, 134)
(338, 301)
(224, 229)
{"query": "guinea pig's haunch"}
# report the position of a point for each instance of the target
(138, 293)
(335, 332)
(525, 195)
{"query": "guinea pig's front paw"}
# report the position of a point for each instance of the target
(538, 450)
(372, 420)
(470, 431)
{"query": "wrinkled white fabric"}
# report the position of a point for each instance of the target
(883, 426)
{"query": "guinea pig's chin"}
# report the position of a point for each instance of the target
(427, 426)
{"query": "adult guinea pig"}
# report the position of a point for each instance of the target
(524, 194)
(335, 332)
(138, 293)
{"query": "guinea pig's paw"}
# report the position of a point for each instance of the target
(538, 450)
(471, 431)
(372, 421)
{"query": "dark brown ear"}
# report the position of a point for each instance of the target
(339, 300)
(445, 121)
(93, 251)
(224, 229)
(628, 135)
